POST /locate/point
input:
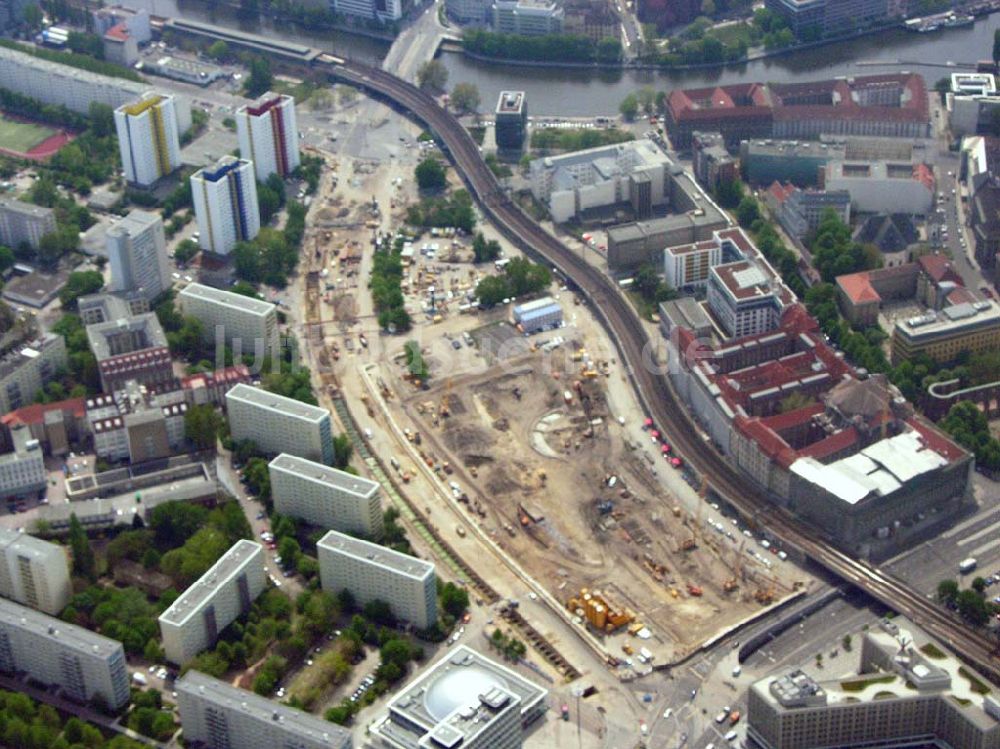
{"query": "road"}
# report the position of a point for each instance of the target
(652, 388)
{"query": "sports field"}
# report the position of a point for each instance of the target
(21, 137)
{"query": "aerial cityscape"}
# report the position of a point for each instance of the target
(557, 374)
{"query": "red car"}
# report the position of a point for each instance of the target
(676, 462)
(665, 450)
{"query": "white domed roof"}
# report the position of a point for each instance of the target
(460, 687)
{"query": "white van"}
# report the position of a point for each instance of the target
(731, 736)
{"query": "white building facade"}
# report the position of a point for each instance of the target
(326, 497)
(268, 135)
(225, 204)
(689, 264)
(148, 138)
(24, 371)
(211, 604)
(245, 324)
(217, 715)
(84, 665)
(372, 572)
(280, 425)
(24, 222)
(34, 572)
(137, 250)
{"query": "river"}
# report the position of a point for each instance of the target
(580, 92)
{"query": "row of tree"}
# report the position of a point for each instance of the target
(548, 48)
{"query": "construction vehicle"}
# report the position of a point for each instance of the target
(676, 511)
(600, 613)
(689, 544)
(764, 597)
(628, 649)
(460, 531)
(730, 585)
(445, 409)
(694, 590)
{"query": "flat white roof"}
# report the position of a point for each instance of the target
(220, 573)
(380, 556)
(324, 475)
(277, 403)
(228, 299)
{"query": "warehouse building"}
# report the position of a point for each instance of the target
(326, 497)
(462, 700)
(280, 425)
(217, 715)
(34, 572)
(213, 602)
(372, 572)
(541, 314)
(83, 665)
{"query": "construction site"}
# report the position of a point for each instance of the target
(531, 453)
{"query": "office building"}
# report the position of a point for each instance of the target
(148, 138)
(800, 211)
(120, 46)
(268, 135)
(465, 699)
(280, 425)
(372, 572)
(385, 11)
(813, 19)
(883, 186)
(136, 21)
(216, 715)
(538, 315)
(527, 17)
(225, 204)
(25, 369)
(24, 223)
(82, 665)
(690, 264)
(594, 20)
(713, 165)
(22, 466)
(137, 423)
(137, 250)
(54, 83)
(972, 328)
(972, 103)
(908, 692)
(128, 346)
(893, 105)
(635, 172)
(511, 120)
(213, 602)
(56, 425)
(246, 324)
(34, 572)
(470, 12)
(326, 497)
(744, 299)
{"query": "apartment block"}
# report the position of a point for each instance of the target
(22, 468)
(83, 665)
(326, 497)
(24, 223)
(245, 324)
(54, 83)
(129, 346)
(268, 135)
(25, 369)
(217, 715)
(372, 572)
(148, 138)
(225, 204)
(137, 249)
(279, 424)
(528, 17)
(690, 264)
(465, 699)
(34, 572)
(381, 10)
(213, 602)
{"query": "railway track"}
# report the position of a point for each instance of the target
(653, 389)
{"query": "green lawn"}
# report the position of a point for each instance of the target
(22, 136)
(732, 33)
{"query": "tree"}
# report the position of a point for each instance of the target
(629, 107)
(201, 426)
(430, 174)
(416, 365)
(186, 250)
(484, 250)
(342, 450)
(218, 50)
(972, 608)
(729, 193)
(979, 584)
(289, 550)
(748, 211)
(465, 98)
(102, 119)
(84, 563)
(454, 599)
(432, 76)
(260, 79)
(947, 592)
(33, 16)
(175, 522)
(80, 284)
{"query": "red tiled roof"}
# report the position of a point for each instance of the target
(858, 288)
(937, 440)
(781, 192)
(35, 413)
(961, 295)
(939, 268)
(789, 419)
(118, 32)
(831, 445)
(923, 174)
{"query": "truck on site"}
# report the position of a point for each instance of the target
(967, 565)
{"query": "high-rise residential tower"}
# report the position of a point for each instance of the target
(225, 204)
(268, 135)
(148, 138)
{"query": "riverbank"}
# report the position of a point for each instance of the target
(456, 47)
